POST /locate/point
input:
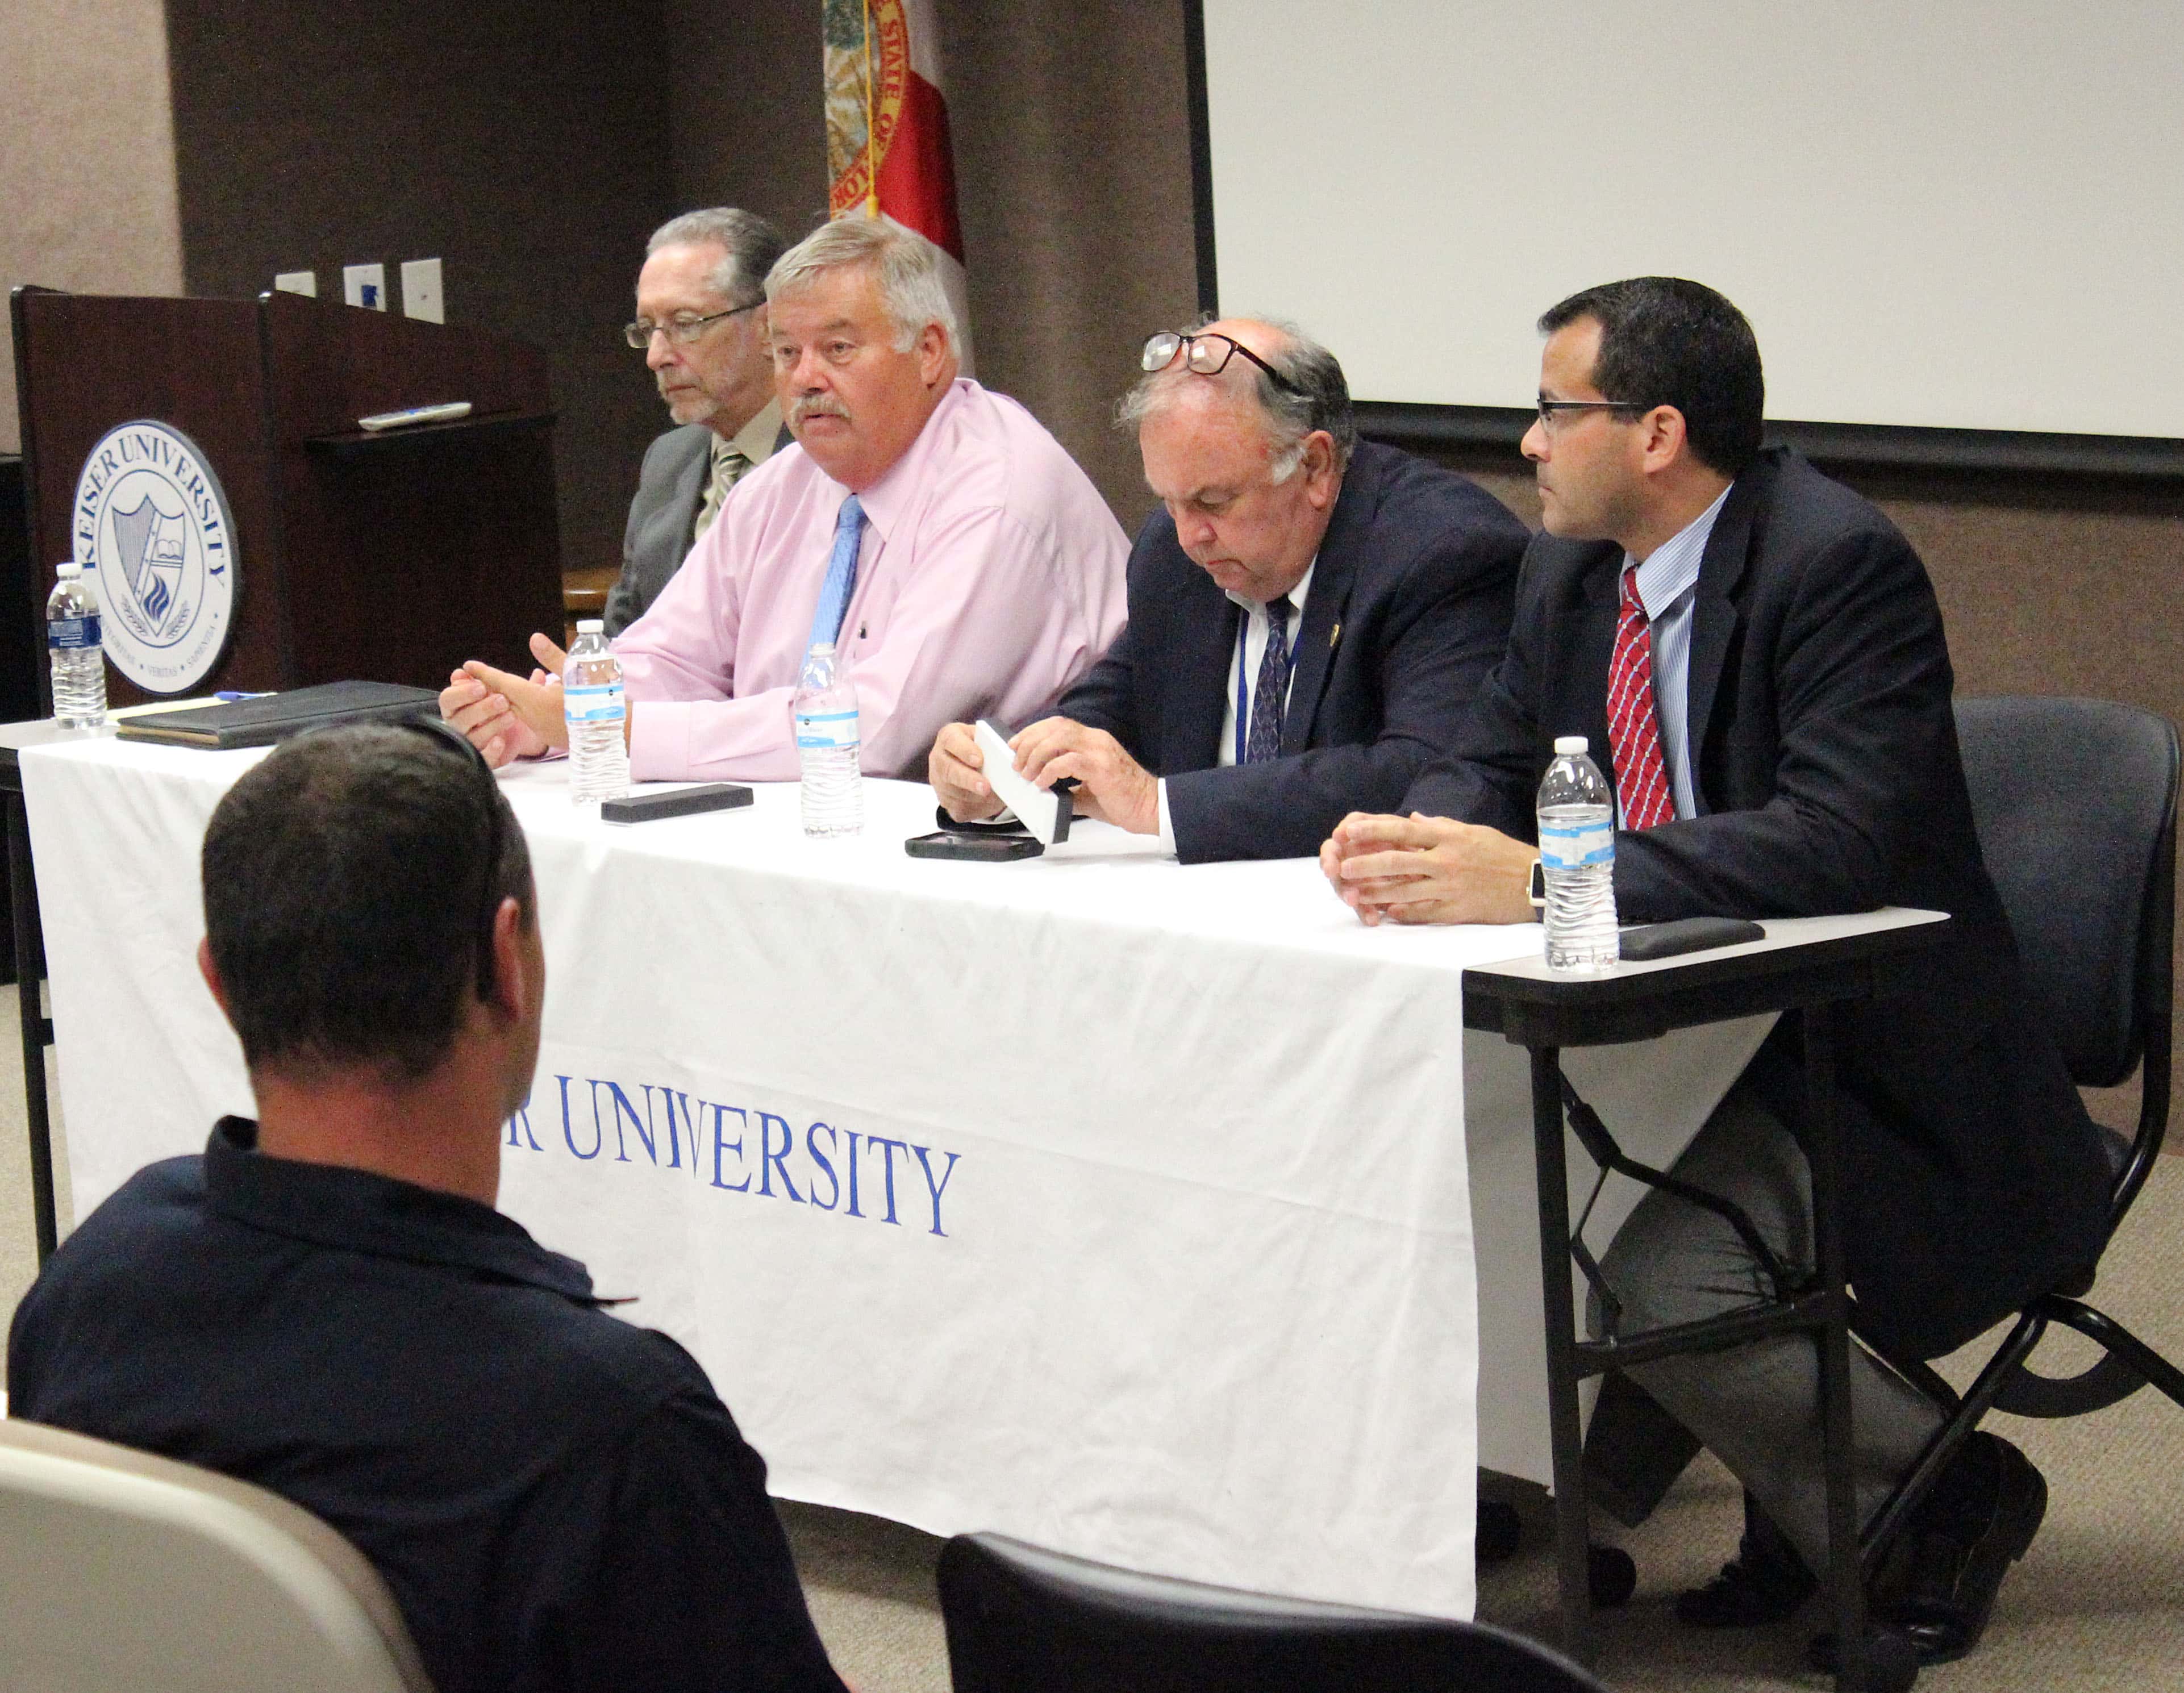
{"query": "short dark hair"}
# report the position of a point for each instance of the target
(350, 887)
(1664, 340)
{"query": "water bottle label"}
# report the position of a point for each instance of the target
(1576, 849)
(837, 729)
(600, 704)
(72, 634)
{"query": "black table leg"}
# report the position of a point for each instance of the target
(22, 904)
(1847, 1593)
(1557, 1291)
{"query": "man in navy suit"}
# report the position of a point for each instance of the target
(1387, 580)
(1757, 658)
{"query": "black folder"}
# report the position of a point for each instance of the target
(260, 722)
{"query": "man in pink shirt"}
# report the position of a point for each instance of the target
(963, 563)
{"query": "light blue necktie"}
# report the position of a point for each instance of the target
(841, 574)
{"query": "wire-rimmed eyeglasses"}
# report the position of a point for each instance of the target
(682, 330)
(1207, 355)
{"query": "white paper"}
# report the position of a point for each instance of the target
(1039, 810)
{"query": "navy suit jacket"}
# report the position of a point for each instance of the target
(1409, 609)
(1828, 780)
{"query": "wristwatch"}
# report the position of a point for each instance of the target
(1537, 893)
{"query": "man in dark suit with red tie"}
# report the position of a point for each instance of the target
(1756, 655)
(1309, 615)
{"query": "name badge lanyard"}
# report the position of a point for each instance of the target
(1243, 668)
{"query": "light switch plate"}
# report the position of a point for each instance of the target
(298, 282)
(364, 285)
(421, 290)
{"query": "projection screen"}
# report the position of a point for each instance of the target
(1957, 215)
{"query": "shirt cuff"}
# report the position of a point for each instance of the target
(1167, 822)
(660, 740)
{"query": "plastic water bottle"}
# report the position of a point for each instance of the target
(598, 715)
(1577, 849)
(826, 715)
(79, 660)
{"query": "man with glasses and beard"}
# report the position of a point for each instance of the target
(958, 559)
(701, 325)
(1310, 616)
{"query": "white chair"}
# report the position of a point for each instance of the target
(123, 1571)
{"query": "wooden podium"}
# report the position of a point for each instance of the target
(387, 557)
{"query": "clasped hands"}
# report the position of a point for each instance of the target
(1428, 870)
(507, 717)
(1111, 786)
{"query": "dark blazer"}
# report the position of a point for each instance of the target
(1828, 780)
(658, 534)
(657, 538)
(1407, 610)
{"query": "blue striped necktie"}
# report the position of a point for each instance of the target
(1270, 693)
(841, 575)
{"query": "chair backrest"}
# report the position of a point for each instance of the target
(122, 1570)
(2075, 801)
(1021, 1619)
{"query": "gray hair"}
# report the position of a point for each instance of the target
(750, 245)
(906, 264)
(1322, 399)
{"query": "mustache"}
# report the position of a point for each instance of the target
(816, 405)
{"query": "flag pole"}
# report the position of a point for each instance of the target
(872, 138)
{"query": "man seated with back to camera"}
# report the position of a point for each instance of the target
(325, 1303)
(957, 557)
(1309, 615)
(1757, 660)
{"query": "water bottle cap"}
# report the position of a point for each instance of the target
(1570, 744)
(68, 571)
(591, 625)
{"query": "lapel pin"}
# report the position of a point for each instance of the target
(1334, 635)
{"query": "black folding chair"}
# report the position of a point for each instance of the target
(1024, 1620)
(2076, 805)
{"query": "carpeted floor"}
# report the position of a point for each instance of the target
(2098, 1604)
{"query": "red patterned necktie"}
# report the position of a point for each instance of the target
(1634, 736)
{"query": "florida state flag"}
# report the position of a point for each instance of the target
(887, 153)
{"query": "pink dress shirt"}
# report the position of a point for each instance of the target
(989, 580)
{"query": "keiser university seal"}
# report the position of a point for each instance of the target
(151, 530)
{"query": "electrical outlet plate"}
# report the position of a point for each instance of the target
(364, 285)
(298, 282)
(421, 290)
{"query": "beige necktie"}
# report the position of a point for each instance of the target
(728, 465)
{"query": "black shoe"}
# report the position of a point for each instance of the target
(1891, 1662)
(1938, 1584)
(1765, 1582)
(1499, 1531)
(1611, 1576)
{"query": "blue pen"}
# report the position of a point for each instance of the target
(228, 696)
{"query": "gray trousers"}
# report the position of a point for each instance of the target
(1756, 1406)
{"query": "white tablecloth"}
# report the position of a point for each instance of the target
(1127, 1207)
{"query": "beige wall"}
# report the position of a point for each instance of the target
(86, 157)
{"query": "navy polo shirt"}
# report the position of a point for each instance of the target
(558, 1500)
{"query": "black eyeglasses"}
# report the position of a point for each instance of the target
(446, 735)
(1208, 355)
(1549, 408)
(682, 330)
